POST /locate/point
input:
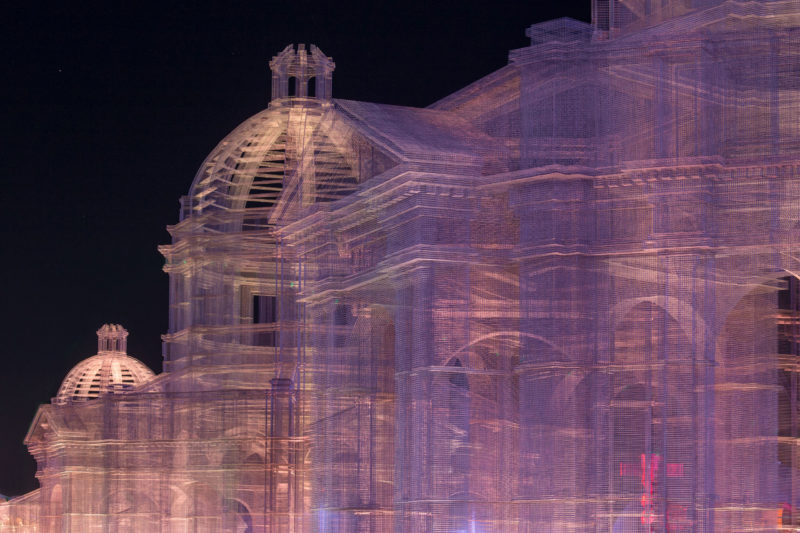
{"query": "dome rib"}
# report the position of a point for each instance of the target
(111, 371)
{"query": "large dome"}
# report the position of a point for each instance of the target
(111, 371)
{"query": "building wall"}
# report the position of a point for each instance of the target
(579, 315)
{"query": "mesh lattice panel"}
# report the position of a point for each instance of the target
(562, 299)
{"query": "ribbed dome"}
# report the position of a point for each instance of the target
(249, 171)
(111, 371)
(253, 165)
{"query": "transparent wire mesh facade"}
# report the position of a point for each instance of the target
(562, 299)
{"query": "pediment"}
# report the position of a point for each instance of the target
(42, 428)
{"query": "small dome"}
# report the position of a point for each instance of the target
(111, 371)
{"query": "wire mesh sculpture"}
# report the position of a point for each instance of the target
(564, 298)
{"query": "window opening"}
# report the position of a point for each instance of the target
(341, 317)
(265, 311)
(788, 347)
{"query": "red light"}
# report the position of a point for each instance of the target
(674, 469)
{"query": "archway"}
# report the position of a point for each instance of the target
(652, 390)
(352, 460)
(756, 404)
(473, 433)
(237, 517)
(131, 510)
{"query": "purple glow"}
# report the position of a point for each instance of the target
(564, 298)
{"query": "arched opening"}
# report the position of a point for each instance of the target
(237, 517)
(52, 509)
(354, 445)
(756, 405)
(474, 428)
(653, 430)
(453, 438)
(131, 510)
(203, 508)
(458, 413)
(292, 86)
(311, 90)
(788, 347)
(253, 471)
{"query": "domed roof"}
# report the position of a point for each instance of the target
(111, 371)
(262, 164)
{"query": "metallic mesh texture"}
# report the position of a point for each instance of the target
(562, 299)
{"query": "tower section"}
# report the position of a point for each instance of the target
(235, 351)
(233, 313)
(301, 73)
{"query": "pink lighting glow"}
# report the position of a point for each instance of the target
(561, 299)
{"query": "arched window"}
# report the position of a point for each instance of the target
(292, 89)
(459, 414)
(312, 87)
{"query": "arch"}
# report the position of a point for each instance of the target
(124, 500)
(564, 391)
(457, 379)
(482, 355)
(131, 510)
(56, 494)
(238, 518)
(757, 400)
(683, 313)
(474, 397)
(651, 390)
(510, 334)
(52, 509)
(231, 457)
(179, 501)
(291, 86)
(197, 501)
(311, 87)
(252, 470)
(741, 290)
(254, 458)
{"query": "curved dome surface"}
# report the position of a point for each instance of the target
(111, 371)
(268, 157)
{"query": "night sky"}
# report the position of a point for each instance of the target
(108, 113)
